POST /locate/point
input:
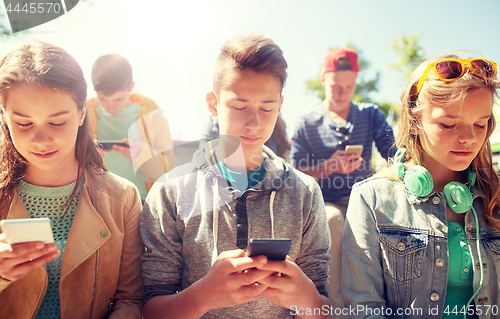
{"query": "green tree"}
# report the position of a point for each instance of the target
(410, 53)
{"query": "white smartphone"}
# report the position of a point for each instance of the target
(26, 230)
(354, 149)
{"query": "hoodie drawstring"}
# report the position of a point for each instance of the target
(215, 218)
(271, 202)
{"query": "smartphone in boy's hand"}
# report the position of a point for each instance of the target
(272, 248)
(108, 144)
(354, 149)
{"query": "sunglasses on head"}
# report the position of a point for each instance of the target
(448, 70)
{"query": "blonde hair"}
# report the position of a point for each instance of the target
(436, 92)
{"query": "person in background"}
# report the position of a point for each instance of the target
(50, 168)
(421, 238)
(318, 148)
(131, 118)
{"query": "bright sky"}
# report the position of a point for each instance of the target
(172, 45)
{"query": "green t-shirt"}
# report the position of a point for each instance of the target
(50, 202)
(460, 273)
(115, 127)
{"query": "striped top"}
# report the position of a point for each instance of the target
(317, 137)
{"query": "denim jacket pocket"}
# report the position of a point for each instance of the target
(493, 243)
(403, 252)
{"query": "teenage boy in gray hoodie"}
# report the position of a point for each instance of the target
(198, 219)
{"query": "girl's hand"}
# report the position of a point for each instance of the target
(16, 261)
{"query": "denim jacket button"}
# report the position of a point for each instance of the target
(436, 200)
(439, 262)
(401, 246)
(470, 230)
(434, 296)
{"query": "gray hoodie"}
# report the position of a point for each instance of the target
(179, 227)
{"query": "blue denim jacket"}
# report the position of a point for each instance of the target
(395, 253)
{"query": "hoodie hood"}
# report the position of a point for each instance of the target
(277, 170)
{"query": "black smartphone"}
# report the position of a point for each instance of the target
(108, 144)
(272, 248)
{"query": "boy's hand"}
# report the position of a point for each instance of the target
(289, 286)
(130, 152)
(341, 163)
(16, 261)
(232, 280)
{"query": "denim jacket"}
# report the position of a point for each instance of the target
(396, 251)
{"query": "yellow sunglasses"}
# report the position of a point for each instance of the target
(448, 70)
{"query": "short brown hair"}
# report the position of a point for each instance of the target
(248, 52)
(111, 73)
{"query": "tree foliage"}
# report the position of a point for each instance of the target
(410, 53)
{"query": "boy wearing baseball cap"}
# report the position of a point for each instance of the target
(318, 148)
(197, 223)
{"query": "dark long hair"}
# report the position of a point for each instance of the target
(44, 65)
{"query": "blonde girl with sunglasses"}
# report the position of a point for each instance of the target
(50, 167)
(422, 239)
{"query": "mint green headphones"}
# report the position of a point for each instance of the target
(419, 181)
